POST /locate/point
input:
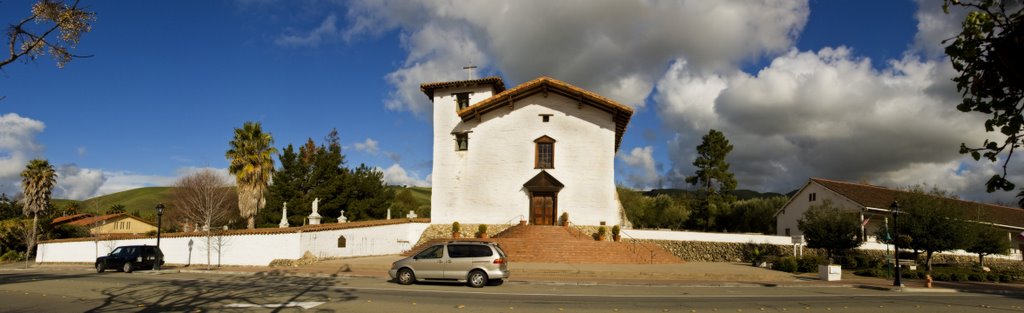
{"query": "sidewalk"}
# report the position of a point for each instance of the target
(691, 274)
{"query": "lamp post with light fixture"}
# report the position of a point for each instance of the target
(894, 208)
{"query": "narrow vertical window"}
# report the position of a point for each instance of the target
(811, 197)
(545, 153)
(462, 100)
(462, 142)
(342, 242)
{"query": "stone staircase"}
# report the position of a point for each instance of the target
(556, 244)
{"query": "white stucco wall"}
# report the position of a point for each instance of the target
(485, 183)
(251, 249)
(800, 203)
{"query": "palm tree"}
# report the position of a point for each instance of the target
(36, 183)
(252, 163)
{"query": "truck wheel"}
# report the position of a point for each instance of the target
(100, 267)
(128, 267)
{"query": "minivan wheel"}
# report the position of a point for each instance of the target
(477, 279)
(100, 267)
(128, 267)
(406, 277)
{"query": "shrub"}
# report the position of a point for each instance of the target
(809, 264)
(870, 272)
(12, 255)
(755, 253)
(481, 230)
(942, 277)
(957, 276)
(563, 218)
(1003, 278)
(975, 277)
(616, 230)
(786, 264)
(993, 277)
(456, 227)
(601, 231)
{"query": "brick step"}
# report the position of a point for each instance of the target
(556, 244)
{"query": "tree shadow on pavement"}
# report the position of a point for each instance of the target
(14, 278)
(260, 291)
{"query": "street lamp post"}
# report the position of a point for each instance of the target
(159, 220)
(894, 208)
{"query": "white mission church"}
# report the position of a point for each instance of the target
(527, 153)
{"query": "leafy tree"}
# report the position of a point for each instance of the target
(987, 54)
(830, 228)
(31, 37)
(115, 209)
(9, 208)
(251, 155)
(661, 211)
(988, 240)
(751, 216)
(403, 203)
(37, 181)
(712, 176)
(933, 221)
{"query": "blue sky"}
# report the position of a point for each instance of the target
(168, 81)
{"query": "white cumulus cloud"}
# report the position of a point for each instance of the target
(396, 175)
(643, 171)
(616, 48)
(18, 145)
(368, 146)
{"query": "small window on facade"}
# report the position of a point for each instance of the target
(787, 231)
(545, 118)
(545, 154)
(811, 197)
(462, 142)
(462, 100)
(341, 241)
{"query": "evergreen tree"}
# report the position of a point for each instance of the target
(368, 197)
(712, 177)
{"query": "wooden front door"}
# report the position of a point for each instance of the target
(542, 208)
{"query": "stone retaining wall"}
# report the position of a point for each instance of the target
(440, 231)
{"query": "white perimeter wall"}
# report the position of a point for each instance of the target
(756, 238)
(258, 249)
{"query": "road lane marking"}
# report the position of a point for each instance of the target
(304, 305)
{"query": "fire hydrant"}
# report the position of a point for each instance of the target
(928, 280)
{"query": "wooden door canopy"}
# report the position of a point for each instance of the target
(543, 182)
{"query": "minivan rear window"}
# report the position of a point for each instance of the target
(469, 251)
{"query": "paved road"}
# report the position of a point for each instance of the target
(82, 291)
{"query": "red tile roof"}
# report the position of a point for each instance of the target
(881, 197)
(494, 81)
(65, 219)
(90, 221)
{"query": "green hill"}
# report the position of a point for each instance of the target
(140, 201)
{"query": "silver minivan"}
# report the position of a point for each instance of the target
(473, 262)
